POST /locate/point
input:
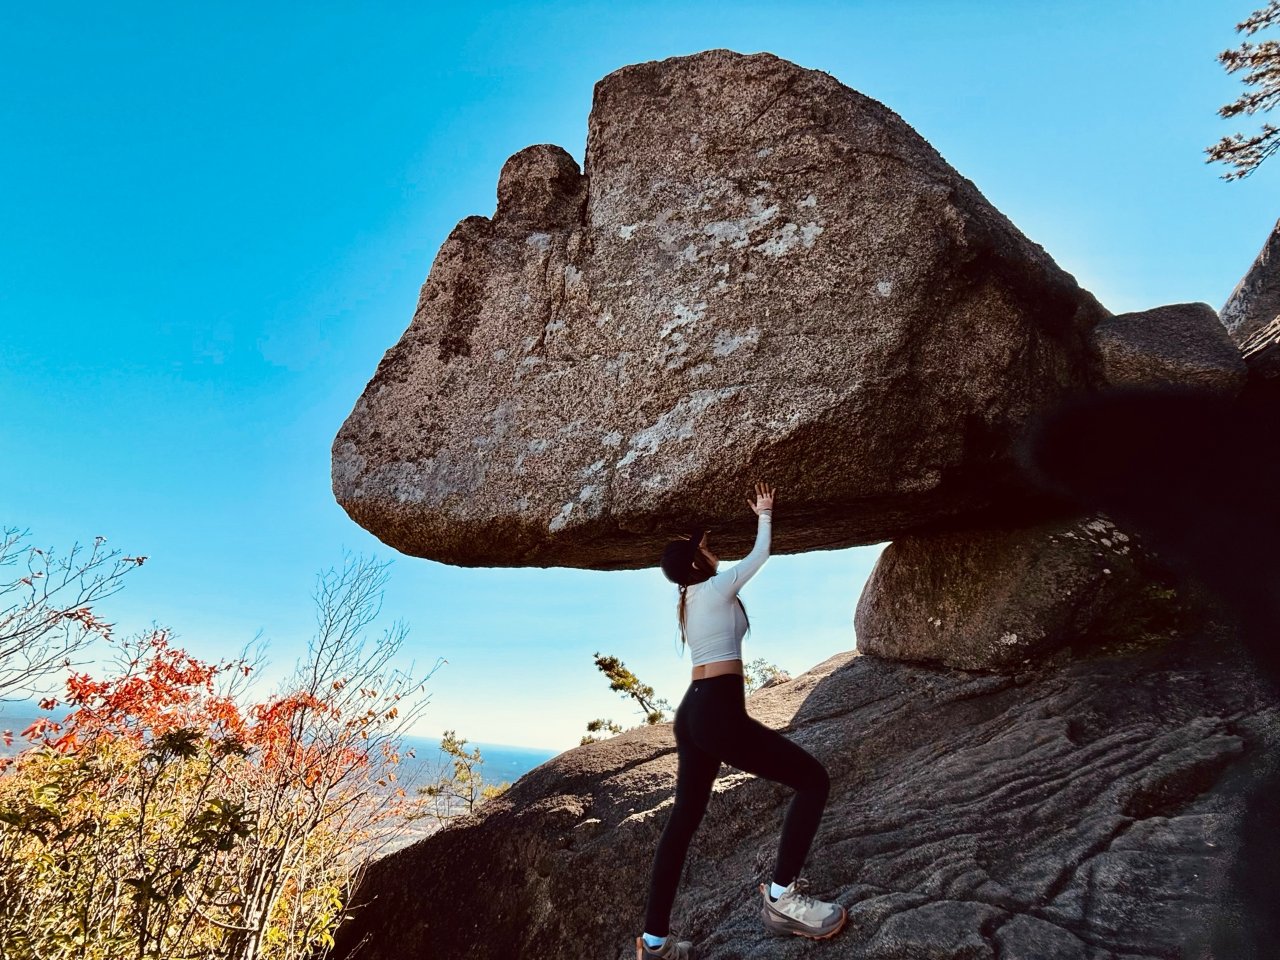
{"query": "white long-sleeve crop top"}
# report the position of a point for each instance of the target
(714, 622)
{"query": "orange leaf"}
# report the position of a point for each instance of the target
(38, 728)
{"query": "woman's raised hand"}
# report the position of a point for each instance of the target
(764, 498)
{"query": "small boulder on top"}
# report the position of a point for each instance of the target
(1183, 344)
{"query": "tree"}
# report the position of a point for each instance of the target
(461, 790)
(755, 674)
(170, 816)
(628, 684)
(759, 673)
(1262, 63)
(48, 617)
(595, 726)
(332, 740)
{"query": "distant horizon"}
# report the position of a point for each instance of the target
(483, 745)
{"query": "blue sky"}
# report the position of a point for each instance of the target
(216, 219)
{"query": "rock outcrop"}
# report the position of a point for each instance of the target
(1261, 352)
(759, 272)
(1087, 809)
(1181, 345)
(1196, 476)
(996, 599)
(1255, 301)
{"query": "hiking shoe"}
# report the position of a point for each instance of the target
(797, 912)
(671, 949)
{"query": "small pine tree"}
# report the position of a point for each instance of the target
(759, 673)
(462, 789)
(595, 726)
(756, 674)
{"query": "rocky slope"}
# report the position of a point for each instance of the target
(1086, 809)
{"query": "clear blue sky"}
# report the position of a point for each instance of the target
(216, 218)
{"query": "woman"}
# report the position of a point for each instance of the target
(711, 726)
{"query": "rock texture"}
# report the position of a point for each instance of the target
(1196, 476)
(1183, 344)
(760, 272)
(1255, 302)
(1261, 351)
(1088, 810)
(995, 599)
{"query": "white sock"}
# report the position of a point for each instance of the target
(775, 891)
(653, 941)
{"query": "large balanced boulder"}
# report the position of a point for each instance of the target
(995, 599)
(759, 273)
(1182, 345)
(1089, 811)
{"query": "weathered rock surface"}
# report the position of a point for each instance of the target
(1183, 344)
(993, 599)
(760, 272)
(1086, 810)
(1255, 302)
(1195, 475)
(1261, 352)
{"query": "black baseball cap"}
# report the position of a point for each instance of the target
(678, 557)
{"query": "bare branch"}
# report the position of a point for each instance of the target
(47, 615)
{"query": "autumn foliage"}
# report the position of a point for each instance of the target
(170, 815)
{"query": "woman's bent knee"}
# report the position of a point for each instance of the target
(818, 781)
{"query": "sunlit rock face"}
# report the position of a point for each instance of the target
(761, 273)
(1255, 301)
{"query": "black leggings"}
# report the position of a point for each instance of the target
(711, 726)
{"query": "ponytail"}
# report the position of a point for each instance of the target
(684, 564)
(684, 596)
